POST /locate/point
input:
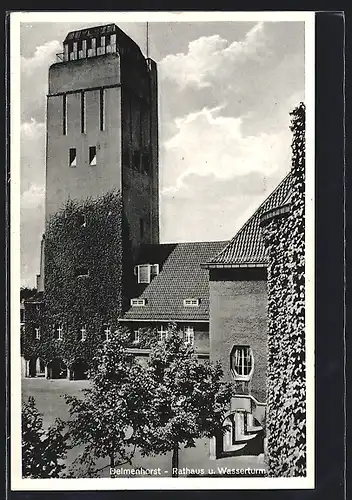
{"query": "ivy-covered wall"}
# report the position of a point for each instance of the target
(84, 237)
(286, 394)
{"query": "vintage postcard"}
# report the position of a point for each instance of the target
(162, 250)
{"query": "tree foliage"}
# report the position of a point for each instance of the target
(111, 419)
(84, 235)
(189, 398)
(154, 408)
(43, 451)
(286, 410)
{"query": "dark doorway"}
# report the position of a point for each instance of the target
(80, 370)
(32, 370)
(57, 369)
(41, 367)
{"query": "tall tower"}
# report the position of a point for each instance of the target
(102, 128)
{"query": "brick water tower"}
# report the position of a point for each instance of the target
(102, 128)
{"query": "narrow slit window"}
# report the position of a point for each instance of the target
(37, 332)
(83, 333)
(107, 333)
(141, 228)
(82, 220)
(83, 113)
(72, 157)
(59, 332)
(92, 155)
(102, 110)
(64, 114)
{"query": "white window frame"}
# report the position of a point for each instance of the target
(83, 333)
(162, 333)
(152, 269)
(244, 351)
(188, 333)
(60, 331)
(107, 333)
(138, 302)
(136, 338)
(191, 302)
(37, 332)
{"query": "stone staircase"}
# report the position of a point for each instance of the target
(244, 433)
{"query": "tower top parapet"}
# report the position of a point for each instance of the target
(97, 41)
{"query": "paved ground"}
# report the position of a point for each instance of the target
(49, 397)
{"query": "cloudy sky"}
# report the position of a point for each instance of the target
(225, 93)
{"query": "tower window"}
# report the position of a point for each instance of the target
(82, 272)
(72, 157)
(242, 362)
(59, 333)
(82, 220)
(141, 228)
(64, 114)
(83, 333)
(83, 113)
(107, 333)
(102, 110)
(37, 333)
(92, 155)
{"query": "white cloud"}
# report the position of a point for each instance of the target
(33, 198)
(43, 55)
(32, 129)
(209, 55)
(208, 143)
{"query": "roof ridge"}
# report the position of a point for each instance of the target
(250, 219)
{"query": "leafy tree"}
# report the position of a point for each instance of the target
(189, 398)
(111, 419)
(42, 451)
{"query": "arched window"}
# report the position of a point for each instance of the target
(242, 362)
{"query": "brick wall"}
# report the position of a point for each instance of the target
(238, 316)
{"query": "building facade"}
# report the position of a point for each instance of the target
(102, 230)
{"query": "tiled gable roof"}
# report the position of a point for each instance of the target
(180, 277)
(247, 246)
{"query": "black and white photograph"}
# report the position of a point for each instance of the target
(162, 250)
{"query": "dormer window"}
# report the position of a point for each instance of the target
(191, 302)
(138, 302)
(146, 272)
